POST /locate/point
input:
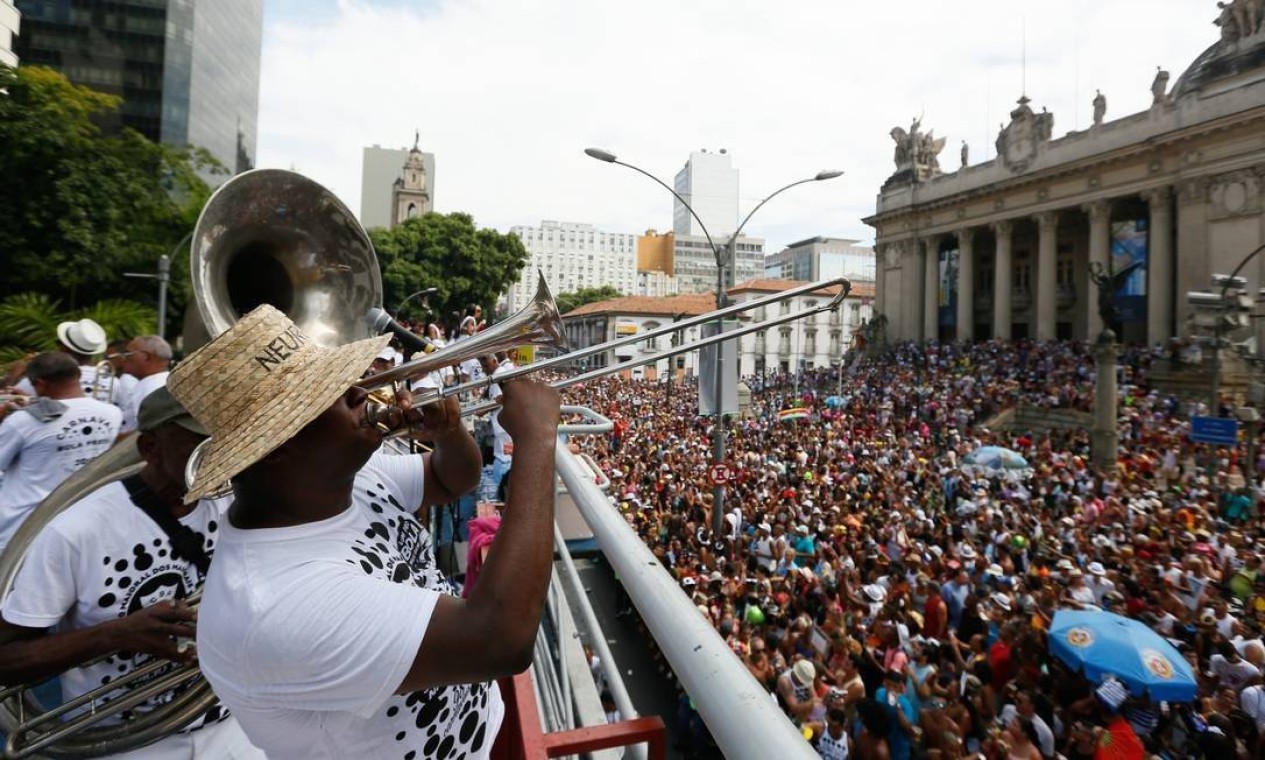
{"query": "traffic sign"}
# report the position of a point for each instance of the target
(1218, 431)
(719, 474)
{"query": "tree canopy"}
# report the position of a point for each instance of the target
(81, 207)
(465, 265)
(577, 298)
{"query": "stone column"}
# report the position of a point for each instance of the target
(1002, 275)
(880, 280)
(1046, 288)
(1099, 213)
(966, 285)
(1160, 266)
(931, 288)
(1103, 439)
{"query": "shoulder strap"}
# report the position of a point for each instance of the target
(184, 542)
(45, 409)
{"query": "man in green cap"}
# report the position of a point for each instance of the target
(110, 573)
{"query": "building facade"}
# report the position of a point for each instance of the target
(186, 70)
(1165, 198)
(694, 262)
(574, 256)
(818, 340)
(380, 169)
(821, 258)
(10, 25)
(709, 183)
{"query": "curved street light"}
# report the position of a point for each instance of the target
(727, 254)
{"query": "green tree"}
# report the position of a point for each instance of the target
(577, 298)
(465, 264)
(28, 322)
(82, 207)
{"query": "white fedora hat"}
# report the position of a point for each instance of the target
(82, 336)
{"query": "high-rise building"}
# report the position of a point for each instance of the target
(822, 258)
(10, 21)
(380, 169)
(709, 183)
(695, 262)
(574, 256)
(187, 70)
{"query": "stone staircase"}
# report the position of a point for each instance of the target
(1027, 417)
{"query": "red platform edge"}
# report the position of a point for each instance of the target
(522, 738)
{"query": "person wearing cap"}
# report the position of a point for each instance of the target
(795, 687)
(325, 623)
(83, 339)
(147, 359)
(46, 441)
(110, 573)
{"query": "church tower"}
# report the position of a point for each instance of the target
(408, 196)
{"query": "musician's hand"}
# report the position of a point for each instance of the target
(529, 411)
(155, 629)
(430, 421)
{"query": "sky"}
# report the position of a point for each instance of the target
(507, 94)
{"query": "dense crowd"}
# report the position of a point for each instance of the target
(897, 603)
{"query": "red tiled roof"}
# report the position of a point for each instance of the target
(859, 289)
(684, 305)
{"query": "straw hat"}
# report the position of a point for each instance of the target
(258, 384)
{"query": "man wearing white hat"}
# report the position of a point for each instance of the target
(83, 339)
(45, 442)
(795, 686)
(325, 625)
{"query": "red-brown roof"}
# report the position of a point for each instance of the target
(859, 289)
(684, 305)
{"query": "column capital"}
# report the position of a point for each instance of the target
(932, 241)
(1002, 227)
(1098, 211)
(1047, 220)
(1157, 196)
(966, 236)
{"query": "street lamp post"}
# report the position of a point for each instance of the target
(725, 256)
(164, 279)
(1216, 342)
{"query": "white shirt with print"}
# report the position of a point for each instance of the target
(102, 559)
(305, 632)
(37, 456)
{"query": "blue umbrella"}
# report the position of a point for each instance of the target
(834, 402)
(1099, 644)
(995, 460)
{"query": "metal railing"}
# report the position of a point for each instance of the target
(741, 716)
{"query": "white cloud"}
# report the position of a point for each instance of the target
(508, 94)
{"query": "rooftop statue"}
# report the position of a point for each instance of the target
(916, 154)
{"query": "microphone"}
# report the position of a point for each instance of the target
(380, 322)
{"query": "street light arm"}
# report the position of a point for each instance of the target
(817, 178)
(602, 155)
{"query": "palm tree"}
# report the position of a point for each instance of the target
(28, 322)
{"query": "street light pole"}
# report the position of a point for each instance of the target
(1216, 343)
(724, 257)
(164, 279)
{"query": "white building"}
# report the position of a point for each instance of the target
(574, 256)
(695, 262)
(604, 321)
(709, 183)
(380, 168)
(818, 340)
(821, 258)
(10, 21)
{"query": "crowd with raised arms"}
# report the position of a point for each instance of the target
(897, 602)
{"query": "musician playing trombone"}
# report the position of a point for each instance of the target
(325, 624)
(110, 573)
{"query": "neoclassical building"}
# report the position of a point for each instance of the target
(1165, 197)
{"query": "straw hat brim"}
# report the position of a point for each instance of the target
(308, 390)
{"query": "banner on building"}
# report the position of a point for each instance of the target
(947, 280)
(1129, 251)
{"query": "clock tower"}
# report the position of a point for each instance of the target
(408, 196)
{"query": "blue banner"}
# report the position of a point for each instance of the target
(1129, 252)
(947, 297)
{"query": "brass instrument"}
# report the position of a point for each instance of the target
(273, 236)
(103, 382)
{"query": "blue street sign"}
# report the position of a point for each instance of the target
(1218, 431)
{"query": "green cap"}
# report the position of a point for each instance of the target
(160, 408)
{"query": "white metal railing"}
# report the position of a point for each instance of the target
(742, 718)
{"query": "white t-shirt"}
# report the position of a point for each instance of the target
(144, 387)
(37, 456)
(831, 748)
(102, 559)
(502, 444)
(305, 632)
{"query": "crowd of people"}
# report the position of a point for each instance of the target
(896, 602)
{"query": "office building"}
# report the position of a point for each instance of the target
(694, 262)
(822, 258)
(709, 183)
(380, 169)
(574, 256)
(10, 23)
(186, 70)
